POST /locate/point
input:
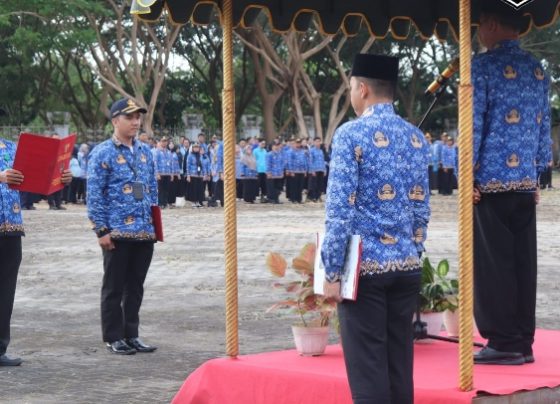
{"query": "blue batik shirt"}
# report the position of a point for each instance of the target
(112, 207)
(378, 189)
(316, 160)
(449, 156)
(163, 161)
(299, 161)
(11, 222)
(275, 164)
(511, 133)
(175, 167)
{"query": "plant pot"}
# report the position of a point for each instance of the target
(451, 322)
(310, 341)
(434, 321)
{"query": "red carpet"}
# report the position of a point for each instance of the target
(286, 377)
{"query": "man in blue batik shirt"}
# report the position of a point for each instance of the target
(378, 189)
(512, 144)
(122, 188)
(11, 231)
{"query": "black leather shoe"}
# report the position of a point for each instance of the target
(5, 361)
(137, 344)
(529, 358)
(490, 356)
(120, 348)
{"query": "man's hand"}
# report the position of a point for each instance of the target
(11, 176)
(476, 195)
(331, 290)
(106, 243)
(537, 196)
(188, 178)
(66, 177)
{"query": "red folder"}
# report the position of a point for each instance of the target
(42, 160)
(156, 220)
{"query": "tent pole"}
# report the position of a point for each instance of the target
(230, 215)
(465, 200)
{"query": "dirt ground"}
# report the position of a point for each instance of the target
(56, 325)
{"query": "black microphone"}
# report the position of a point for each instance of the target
(443, 77)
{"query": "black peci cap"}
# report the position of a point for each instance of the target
(378, 67)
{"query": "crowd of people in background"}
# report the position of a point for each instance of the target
(192, 171)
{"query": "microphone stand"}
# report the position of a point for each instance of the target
(420, 328)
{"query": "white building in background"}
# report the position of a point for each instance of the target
(194, 125)
(251, 125)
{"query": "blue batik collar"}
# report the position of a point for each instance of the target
(507, 43)
(379, 109)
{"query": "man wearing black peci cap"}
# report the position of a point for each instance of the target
(512, 146)
(378, 189)
(122, 188)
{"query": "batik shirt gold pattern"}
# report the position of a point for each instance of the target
(511, 133)
(11, 222)
(378, 189)
(112, 207)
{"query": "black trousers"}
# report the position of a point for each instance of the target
(239, 188)
(262, 185)
(432, 178)
(315, 185)
(72, 196)
(27, 199)
(218, 192)
(10, 259)
(377, 339)
(163, 183)
(250, 189)
(173, 190)
(447, 180)
(273, 188)
(196, 190)
(505, 270)
(298, 181)
(125, 270)
(55, 199)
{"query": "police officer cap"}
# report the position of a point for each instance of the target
(378, 67)
(125, 106)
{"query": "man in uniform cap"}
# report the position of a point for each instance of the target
(121, 190)
(378, 189)
(512, 146)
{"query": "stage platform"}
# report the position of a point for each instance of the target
(284, 377)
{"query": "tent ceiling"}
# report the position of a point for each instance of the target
(382, 17)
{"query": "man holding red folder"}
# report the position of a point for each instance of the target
(11, 231)
(121, 191)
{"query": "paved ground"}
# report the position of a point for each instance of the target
(56, 317)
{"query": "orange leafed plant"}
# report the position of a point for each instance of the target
(304, 301)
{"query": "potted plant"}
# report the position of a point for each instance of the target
(315, 312)
(437, 294)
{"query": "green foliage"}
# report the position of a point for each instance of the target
(437, 292)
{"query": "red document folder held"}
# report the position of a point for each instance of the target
(42, 160)
(156, 220)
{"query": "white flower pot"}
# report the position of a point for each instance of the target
(434, 321)
(451, 322)
(310, 341)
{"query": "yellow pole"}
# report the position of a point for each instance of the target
(230, 217)
(465, 201)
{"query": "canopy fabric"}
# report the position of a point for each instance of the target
(382, 17)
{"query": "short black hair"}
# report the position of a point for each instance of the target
(504, 14)
(381, 88)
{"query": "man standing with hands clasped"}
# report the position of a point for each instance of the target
(122, 188)
(512, 146)
(378, 189)
(11, 231)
